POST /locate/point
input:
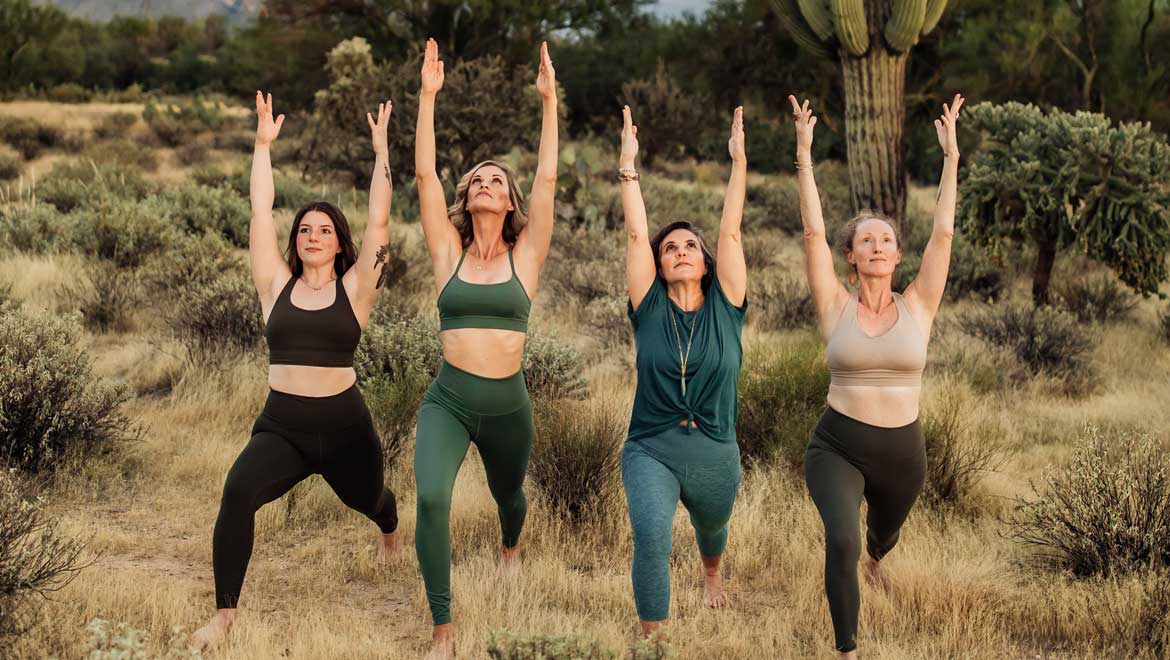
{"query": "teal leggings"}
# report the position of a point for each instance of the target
(658, 472)
(460, 408)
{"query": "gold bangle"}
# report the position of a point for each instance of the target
(628, 174)
(803, 165)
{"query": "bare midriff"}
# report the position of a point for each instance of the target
(886, 406)
(486, 352)
(310, 381)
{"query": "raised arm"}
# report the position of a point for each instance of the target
(366, 277)
(269, 268)
(925, 293)
(640, 268)
(729, 263)
(443, 240)
(534, 240)
(828, 294)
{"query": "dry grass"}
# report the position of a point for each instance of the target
(314, 589)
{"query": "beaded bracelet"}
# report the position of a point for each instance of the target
(628, 174)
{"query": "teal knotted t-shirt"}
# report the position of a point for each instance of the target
(712, 367)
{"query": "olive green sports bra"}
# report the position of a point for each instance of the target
(501, 306)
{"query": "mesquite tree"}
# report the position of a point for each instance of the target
(1061, 181)
(872, 40)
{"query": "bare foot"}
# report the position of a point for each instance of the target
(442, 643)
(509, 560)
(874, 574)
(388, 546)
(713, 594)
(654, 629)
(848, 655)
(210, 636)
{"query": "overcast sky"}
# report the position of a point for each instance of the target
(675, 8)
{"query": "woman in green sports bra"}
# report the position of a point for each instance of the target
(487, 250)
(687, 308)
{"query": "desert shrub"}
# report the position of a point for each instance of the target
(218, 319)
(759, 251)
(35, 228)
(397, 347)
(35, 557)
(775, 205)
(1166, 325)
(123, 152)
(199, 209)
(781, 301)
(1044, 339)
(781, 396)
(1095, 299)
(906, 271)
(576, 461)
(10, 163)
(974, 273)
(193, 153)
(29, 136)
(123, 231)
(290, 192)
(667, 201)
(114, 125)
(72, 184)
(956, 456)
(106, 305)
(190, 263)
(654, 647)
(677, 113)
(1107, 512)
(608, 322)
(591, 265)
(69, 92)
(50, 401)
(177, 124)
(74, 141)
(121, 641)
(505, 645)
(552, 369)
(394, 404)
(240, 141)
(6, 294)
(210, 175)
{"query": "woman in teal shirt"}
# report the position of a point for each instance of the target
(687, 309)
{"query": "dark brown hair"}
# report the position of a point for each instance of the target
(708, 258)
(514, 221)
(342, 260)
(848, 232)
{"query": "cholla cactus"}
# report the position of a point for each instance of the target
(872, 40)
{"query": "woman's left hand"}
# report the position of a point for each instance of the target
(735, 144)
(945, 126)
(546, 80)
(378, 128)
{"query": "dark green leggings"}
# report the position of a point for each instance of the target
(846, 460)
(460, 408)
(658, 472)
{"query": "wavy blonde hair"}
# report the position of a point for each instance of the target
(514, 222)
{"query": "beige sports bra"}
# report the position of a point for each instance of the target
(896, 358)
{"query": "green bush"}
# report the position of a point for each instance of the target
(974, 273)
(239, 141)
(35, 228)
(29, 136)
(193, 262)
(198, 209)
(1096, 299)
(69, 92)
(193, 153)
(906, 271)
(218, 319)
(552, 369)
(781, 396)
(505, 645)
(122, 641)
(674, 115)
(125, 232)
(1107, 512)
(781, 301)
(1044, 339)
(35, 558)
(108, 304)
(178, 124)
(397, 347)
(607, 321)
(591, 265)
(955, 456)
(394, 404)
(773, 205)
(51, 403)
(667, 201)
(11, 163)
(115, 125)
(72, 184)
(576, 461)
(123, 152)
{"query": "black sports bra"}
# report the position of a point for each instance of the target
(312, 337)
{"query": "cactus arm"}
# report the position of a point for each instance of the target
(905, 23)
(793, 22)
(852, 30)
(820, 20)
(934, 11)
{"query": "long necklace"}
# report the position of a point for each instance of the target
(682, 359)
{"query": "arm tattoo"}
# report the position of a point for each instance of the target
(388, 179)
(380, 262)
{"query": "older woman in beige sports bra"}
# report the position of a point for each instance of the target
(869, 442)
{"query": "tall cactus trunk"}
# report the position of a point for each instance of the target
(875, 111)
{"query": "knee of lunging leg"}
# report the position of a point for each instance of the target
(842, 548)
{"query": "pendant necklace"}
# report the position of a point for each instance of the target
(682, 359)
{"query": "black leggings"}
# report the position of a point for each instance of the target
(294, 437)
(845, 460)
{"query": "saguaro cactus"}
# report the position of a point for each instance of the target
(871, 39)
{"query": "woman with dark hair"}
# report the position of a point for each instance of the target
(869, 441)
(487, 250)
(315, 301)
(687, 308)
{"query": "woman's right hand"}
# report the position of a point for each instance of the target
(629, 140)
(804, 120)
(432, 69)
(266, 128)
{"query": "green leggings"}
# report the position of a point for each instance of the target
(460, 408)
(658, 472)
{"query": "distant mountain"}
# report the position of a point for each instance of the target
(103, 10)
